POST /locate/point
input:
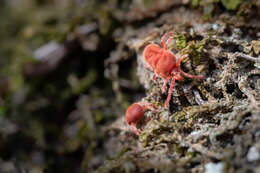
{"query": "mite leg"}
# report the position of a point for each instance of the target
(146, 121)
(164, 37)
(134, 129)
(178, 63)
(147, 66)
(149, 106)
(165, 84)
(154, 76)
(178, 77)
(167, 42)
(170, 93)
(191, 76)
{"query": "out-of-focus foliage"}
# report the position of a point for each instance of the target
(231, 4)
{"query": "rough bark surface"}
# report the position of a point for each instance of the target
(212, 124)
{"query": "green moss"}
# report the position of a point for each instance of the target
(80, 85)
(84, 130)
(208, 10)
(180, 116)
(98, 116)
(3, 111)
(105, 21)
(195, 3)
(156, 133)
(191, 154)
(149, 3)
(194, 49)
(189, 114)
(210, 6)
(231, 4)
(115, 165)
(180, 40)
(186, 113)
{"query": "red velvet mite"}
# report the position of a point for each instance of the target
(165, 65)
(135, 113)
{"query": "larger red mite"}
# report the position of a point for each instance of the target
(135, 114)
(164, 64)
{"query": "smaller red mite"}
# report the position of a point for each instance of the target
(163, 62)
(135, 113)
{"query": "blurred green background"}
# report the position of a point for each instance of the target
(54, 98)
